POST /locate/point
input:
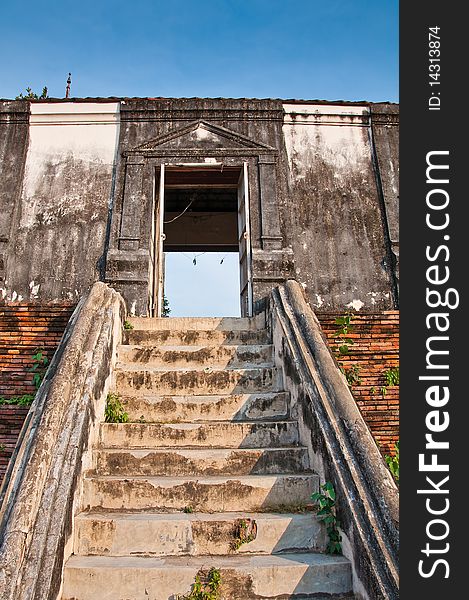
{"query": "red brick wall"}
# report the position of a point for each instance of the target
(11, 421)
(375, 349)
(24, 327)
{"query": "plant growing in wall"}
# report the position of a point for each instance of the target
(24, 400)
(392, 379)
(352, 375)
(344, 329)
(39, 368)
(392, 376)
(393, 463)
(327, 514)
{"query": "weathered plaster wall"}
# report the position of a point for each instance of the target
(60, 221)
(14, 132)
(335, 217)
(385, 128)
(331, 170)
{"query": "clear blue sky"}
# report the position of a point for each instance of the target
(330, 50)
(334, 49)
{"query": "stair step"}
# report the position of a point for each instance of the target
(304, 576)
(196, 381)
(201, 461)
(218, 407)
(199, 323)
(203, 355)
(180, 534)
(156, 337)
(203, 494)
(211, 434)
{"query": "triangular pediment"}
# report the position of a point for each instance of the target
(201, 135)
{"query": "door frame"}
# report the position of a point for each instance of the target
(157, 292)
(130, 253)
(244, 223)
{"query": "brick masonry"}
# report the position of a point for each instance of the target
(11, 421)
(24, 328)
(375, 349)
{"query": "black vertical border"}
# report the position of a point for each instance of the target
(422, 131)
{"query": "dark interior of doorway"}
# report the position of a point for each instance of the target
(201, 217)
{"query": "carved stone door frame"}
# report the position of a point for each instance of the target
(131, 257)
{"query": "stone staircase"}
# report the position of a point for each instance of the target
(209, 473)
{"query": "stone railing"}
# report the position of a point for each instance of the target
(342, 449)
(40, 491)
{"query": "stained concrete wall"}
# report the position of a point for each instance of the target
(385, 130)
(14, 133)
(332, 171)
(59, 222)
(334, 217)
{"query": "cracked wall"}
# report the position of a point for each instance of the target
(342, 255)
(336, 182)
(58, 233)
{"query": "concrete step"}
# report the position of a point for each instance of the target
(218, 461)
(219, 407)
(304, 576)
(180, 534)
(211, 434)
(130, 380)
(203, 494)
(176, 337)
(199, 323)
(183, 356)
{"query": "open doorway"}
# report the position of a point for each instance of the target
(203, 223)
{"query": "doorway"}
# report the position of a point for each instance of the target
(202, 219)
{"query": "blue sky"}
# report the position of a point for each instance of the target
(234, 48)
(216, 284)
(334, 50)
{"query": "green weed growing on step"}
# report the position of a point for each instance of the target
(2, 447)
(128, 325)
(188, 510)
(393, 463)
(245, 531)
(327, 514)
(205, 587)
(114, 411)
